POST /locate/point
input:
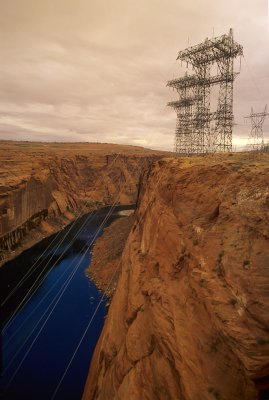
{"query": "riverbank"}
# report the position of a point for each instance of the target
(106, 255)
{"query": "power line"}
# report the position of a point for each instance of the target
(49, 291)
(40, 274)
(55, 304)
(69, 245)
(84, 334)
(86, 247)
(97, 307)
(29, 349)
(29, 295)
(28, 274)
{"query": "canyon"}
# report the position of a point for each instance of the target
(44, 186)
(189, 315)
(186, 273)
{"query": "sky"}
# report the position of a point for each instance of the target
(96, 70)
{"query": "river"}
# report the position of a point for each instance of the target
(43, 334)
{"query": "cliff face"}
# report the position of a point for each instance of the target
(42, 182)
(190, 315)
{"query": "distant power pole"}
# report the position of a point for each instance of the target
(256, 140)
(198, 129)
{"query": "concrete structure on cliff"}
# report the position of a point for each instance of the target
(198, 128)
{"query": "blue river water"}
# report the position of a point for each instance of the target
(42, 336)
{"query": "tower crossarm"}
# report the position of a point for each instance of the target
(261, 114)
(211, 50)
(194, 81)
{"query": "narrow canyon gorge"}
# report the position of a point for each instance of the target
(186, 272)
(189, 316)
(44, 186)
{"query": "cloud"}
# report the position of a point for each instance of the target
(97, 70)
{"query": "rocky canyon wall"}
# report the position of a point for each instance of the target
(40, 183)
(190, 315)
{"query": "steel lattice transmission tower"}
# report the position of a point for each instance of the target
(198, 129)
(256, 141)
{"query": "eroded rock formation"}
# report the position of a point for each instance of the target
(190, 315)
(43, 185)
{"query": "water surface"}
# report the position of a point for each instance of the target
(43, 335)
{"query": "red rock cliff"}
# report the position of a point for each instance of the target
(190, 315)
(41, 181)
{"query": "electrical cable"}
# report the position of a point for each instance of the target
(25, 297)
(14, 374)
(30, 271)
(86, 246)
(97, 307)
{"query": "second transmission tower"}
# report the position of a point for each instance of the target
(256, 140)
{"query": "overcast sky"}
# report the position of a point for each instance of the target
(96, 70)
